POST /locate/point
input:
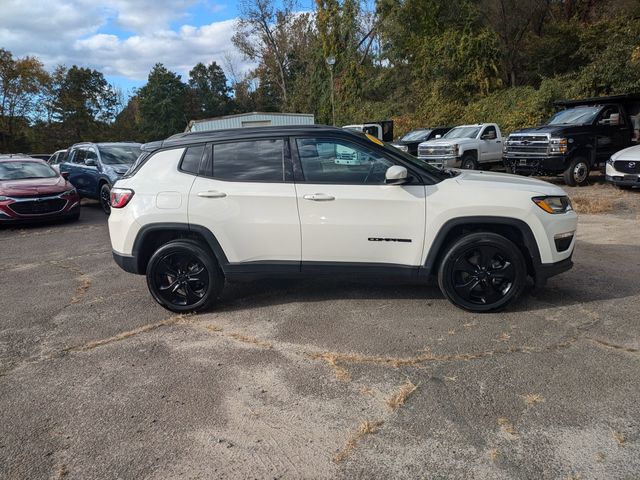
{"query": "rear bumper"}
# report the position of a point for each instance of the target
(128, 263)
(544, 271)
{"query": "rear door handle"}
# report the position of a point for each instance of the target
(212, 194)
(319, 197)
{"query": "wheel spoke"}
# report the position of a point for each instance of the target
(462, 264)
(486, 254)
(192, 295)
(466, 289)
(171, 286)
(168, 268)
(506, 271)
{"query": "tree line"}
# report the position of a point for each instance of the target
(419, 62)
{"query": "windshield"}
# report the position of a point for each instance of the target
(574, 116)
(462, 132)
(415, 136)
(119, 155)
(22, 170)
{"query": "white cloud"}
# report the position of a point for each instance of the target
(72, 32)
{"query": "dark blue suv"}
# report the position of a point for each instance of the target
(94, 167)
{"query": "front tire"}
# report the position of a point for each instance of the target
(182, 276)
(482, 272)
(105, 198)
(577, 174)
(469, 163)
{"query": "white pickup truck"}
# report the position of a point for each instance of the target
(466, 146)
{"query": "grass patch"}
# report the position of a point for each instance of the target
(365, 428)
(124, 335)
(619, 438)
(507, 426)
(397, 400)
(533, 398)
(593, 204)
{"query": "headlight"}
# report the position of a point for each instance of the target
(553, 204)
(558, 145)
(72, 191)
(404, 148)
(610, 161)
(3, 198)
(453, 149)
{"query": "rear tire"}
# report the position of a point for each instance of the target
(577, 174)
(183, 276)
(104, 196)
(482, 272)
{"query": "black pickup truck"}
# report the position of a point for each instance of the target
(581, 136)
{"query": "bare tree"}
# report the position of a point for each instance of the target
(262, 35)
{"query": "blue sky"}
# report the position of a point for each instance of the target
(124, 38)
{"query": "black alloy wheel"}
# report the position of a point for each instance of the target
(482, 272)
(105, 198)
(183, 276)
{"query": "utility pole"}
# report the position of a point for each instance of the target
(331, 61)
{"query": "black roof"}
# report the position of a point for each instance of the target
(123, 142)
(189, 138)
(627, 98)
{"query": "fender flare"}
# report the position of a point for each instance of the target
(437, 245)
(155, 228)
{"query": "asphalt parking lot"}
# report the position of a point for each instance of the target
(316, 378)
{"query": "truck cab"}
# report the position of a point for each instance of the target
(581, 136)
(465, 146)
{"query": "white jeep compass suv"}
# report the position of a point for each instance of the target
(201, 208)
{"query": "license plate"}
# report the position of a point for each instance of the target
(523, 161)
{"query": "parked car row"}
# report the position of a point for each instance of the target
(30, 190)
(582, 136)
(48, 187)
(93, 168)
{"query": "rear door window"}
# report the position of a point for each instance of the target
(250, 161)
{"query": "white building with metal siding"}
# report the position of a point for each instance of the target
(253, 119)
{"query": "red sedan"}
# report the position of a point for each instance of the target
(30, 190)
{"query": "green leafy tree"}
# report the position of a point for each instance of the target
(209, 94)
(83, 102)
(162, 103)
(22, 86)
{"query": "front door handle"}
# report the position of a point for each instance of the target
(212, 194)
(319, 197)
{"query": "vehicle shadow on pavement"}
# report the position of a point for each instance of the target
(599, 274)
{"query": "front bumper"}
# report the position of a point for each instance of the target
(548, 165)
(624, 180)
(10, 214)
(442, 161)
(544, 271)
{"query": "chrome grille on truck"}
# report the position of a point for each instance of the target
(527, 145)
(433, 150)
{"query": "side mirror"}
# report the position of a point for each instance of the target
(90, 162)
(65, 175)
(396, 175)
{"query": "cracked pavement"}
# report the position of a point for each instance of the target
(314, 378)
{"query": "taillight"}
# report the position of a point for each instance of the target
(120, 197)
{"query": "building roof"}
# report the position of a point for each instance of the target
(188, 138)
